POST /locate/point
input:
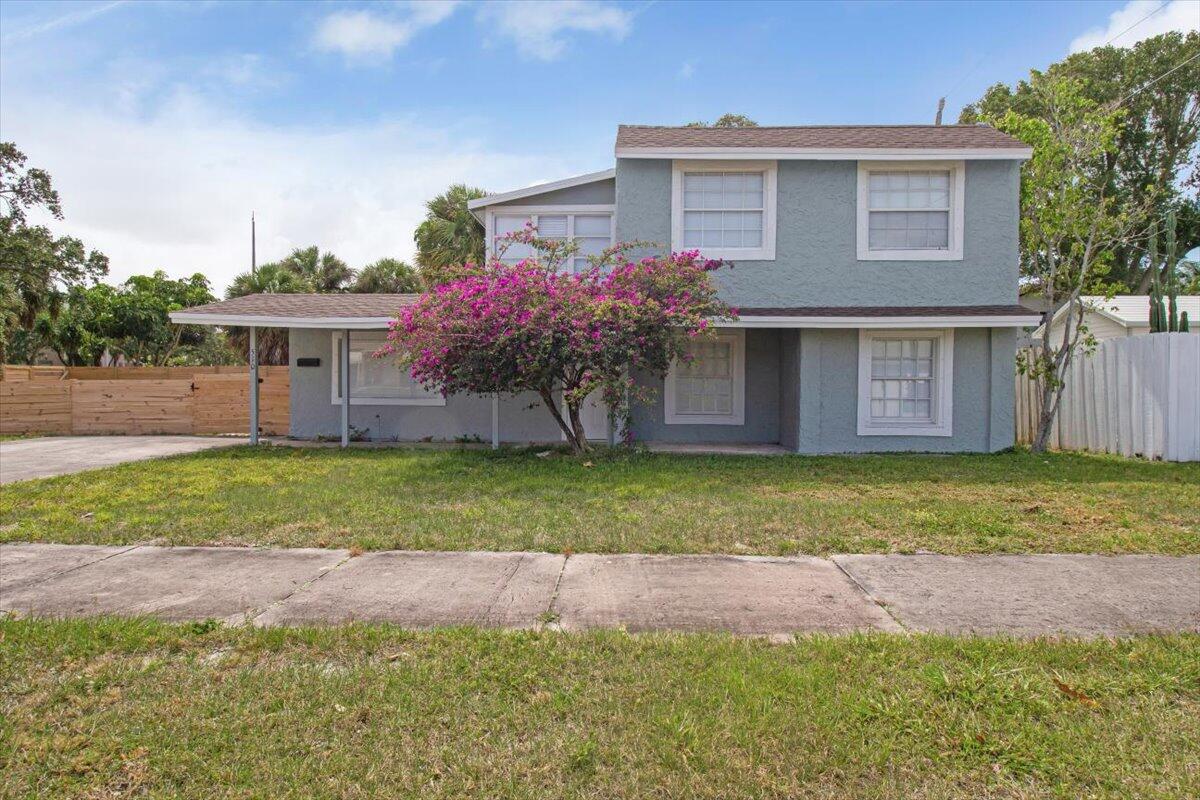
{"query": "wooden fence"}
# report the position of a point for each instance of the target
(137, 400)
(1136, 395)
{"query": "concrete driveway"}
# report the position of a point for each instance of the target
(23, 459)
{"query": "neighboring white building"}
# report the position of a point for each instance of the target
(1123, 315)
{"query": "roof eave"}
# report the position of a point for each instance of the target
(907, 321)
(831, 153)
(541, 188)
(274, 321)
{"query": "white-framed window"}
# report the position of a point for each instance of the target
(905, 382)
(376, 381)
(910, 210)
(724, 209)
(709, 389)
(591, 226)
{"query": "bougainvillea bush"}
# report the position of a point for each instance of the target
(531, 327)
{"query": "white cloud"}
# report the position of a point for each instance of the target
(539, 30)
(1177, 15)
(687, 69)
(367, 35)
(173, 187)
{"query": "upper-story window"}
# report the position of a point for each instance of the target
(592, 230)
(724, 209)
(910, 211)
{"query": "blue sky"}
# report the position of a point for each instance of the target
(165, 124)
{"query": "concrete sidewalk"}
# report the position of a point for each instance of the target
(748, 595)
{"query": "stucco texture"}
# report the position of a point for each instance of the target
(801, 392)
(816, 260)
(982, 395)
(313, 412)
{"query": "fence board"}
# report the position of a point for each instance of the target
(35, 407)
(131, 406)
(141, 400)
(222, 403)
(22, 372)
(1137, 395)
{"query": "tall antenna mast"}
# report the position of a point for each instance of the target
(253, 256)
(941, 106)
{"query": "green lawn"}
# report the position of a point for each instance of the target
(119, 708)
(462, 500)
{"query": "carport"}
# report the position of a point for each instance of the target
(335, 312)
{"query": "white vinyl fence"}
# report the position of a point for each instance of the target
(1137, 395)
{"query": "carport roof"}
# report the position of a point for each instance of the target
(300, 310)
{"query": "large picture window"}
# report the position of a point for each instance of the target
(910, 211)
(905, 383)
(724, 209)
(709, 388)
(376, 381)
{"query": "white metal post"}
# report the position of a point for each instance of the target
(496, 421)
(253, 385)
(345, 381)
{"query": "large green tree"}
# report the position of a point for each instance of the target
(1156, 85)
(1072, 223)
(132, 321)
(450, 236)
(36, 266)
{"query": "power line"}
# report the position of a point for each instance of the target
(1139, 22)
(1146, 86)
(1111, 39)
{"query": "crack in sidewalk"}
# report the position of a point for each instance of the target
(78, 567)
(550, 616)
(904, 628)
(250, 617)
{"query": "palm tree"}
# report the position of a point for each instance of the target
(324, 272)
(272, 278)
(387, 275)
(450, 236)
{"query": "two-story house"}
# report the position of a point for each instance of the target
(875, 274)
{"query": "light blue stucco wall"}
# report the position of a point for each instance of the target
(801, 391)
(816, 256)
(982, 395)
(313, 412)
(762, 403)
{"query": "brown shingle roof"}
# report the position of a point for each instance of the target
(309, 305)
(820, 136)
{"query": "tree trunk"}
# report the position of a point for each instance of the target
(1046, 416)
(547, 395)
(577, 427)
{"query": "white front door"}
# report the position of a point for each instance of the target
(594, 416)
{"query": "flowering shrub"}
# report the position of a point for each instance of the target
(509, 328)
